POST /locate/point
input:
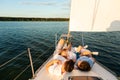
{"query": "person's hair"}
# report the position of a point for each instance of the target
(69, 43)
(63, 50)
(69, 65)
(84, 66)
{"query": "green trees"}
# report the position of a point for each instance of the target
(32, 19)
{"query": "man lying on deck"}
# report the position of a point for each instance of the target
(85, 61)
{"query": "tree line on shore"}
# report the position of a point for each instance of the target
(32, 19)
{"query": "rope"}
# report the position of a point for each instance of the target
(82, 40)
(12, 59)
(99, 41)
(94, 39)
(33, 63)
(21, 72)
(23, 53)
(95, 12)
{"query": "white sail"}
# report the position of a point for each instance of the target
(95, 15)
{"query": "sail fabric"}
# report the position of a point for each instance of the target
(95, 15)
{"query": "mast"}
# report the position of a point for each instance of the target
(68, 34)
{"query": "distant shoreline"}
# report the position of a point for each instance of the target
(32, 19)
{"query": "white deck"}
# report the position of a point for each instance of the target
(97, 70)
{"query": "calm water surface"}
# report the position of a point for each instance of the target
(16, 37)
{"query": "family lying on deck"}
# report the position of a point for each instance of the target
(67, 58)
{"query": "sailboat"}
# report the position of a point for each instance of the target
(88, 16)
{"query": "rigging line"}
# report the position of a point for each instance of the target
(103, 42)
(43, 53)
(95, 13)
(43, 39)
(59, 32)
(12, 59)
(18, 56)
(56, 33)
(21, 72)
(93, 39)
(33, 63)
(82, 39)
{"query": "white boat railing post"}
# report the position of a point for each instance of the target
(33, 74)
(82, 39)
(55, 40)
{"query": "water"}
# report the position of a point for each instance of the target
(16, 37)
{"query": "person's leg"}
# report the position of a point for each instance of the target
(60, 44)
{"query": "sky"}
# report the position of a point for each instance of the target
(35, 8)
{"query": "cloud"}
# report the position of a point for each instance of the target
(65, 6)
(40, 3)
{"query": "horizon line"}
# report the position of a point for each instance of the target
(29, 17)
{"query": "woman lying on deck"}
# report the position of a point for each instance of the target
(56, 67)
(60, 64)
